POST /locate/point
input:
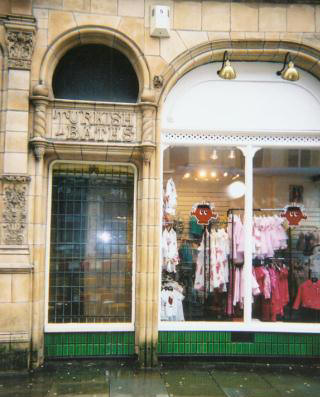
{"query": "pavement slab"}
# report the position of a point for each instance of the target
(136, 383)
(170, 379)
(243, 383)
(182, 383)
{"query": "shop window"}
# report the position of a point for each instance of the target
(90, 269)
(286, 249)
(201, 268)
(95, 73)
(206, 262)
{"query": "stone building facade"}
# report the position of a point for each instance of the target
(39, 130)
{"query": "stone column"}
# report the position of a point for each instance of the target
(146, 294)
(15, 263)
(40, 102)
(20, 33)
(38, 257)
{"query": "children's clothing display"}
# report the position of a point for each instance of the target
(308, 295)
(170, 253)
(239, 283)
(268, 236)
(170, 198)
(236, 235)
(206, 265)
(171, 301)
(273, 283)
(213, 258)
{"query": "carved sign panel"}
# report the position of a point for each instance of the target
(94, 125)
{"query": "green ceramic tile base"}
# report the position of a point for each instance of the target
(89, 344)
(200, 343)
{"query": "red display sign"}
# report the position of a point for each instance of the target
(293, 214)
(204, 214)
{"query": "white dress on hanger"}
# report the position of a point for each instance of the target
(170, 198)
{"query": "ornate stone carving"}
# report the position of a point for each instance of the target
(14, 217)
(148, 133)
(157, 81)
(39, 151)
(39, 125)
(20, 47)
(16, 178)
(40, 102)
(94, 125)
(147, 152)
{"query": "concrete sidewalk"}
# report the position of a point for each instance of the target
(170, 379)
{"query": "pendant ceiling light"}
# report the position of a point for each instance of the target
(232, 154)
(214, 155)
(288, 72)
(226, 72)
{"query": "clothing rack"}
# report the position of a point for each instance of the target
(207, 243)
(289, 259)
(230, 210)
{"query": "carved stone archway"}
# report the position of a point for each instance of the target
(304, 56)
(101, 131)
(97, 35)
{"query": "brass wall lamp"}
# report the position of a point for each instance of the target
(226, 72)
(288, 72)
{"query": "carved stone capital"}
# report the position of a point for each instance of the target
(15, 178)
(147, 152)
(39, 151)
(39, 146)
(20, 41)
(14, 215)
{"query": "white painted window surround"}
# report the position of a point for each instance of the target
(257, 100)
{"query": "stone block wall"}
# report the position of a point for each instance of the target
(196, 27)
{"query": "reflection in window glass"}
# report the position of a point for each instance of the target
(202, 259)
(286, 253)
(91, 244)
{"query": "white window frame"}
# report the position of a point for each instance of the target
(89, 327)
(248, 143)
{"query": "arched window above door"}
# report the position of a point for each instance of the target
(95, 72)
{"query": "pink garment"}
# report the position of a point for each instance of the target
(230, 309)
(237, 287)
(283, 286)
(282, 235)
(267, 284)
(308, 295)
(263, 280)
(260, 276)
(276, 307)
(236, 235)
(268, 236)
(238, 296)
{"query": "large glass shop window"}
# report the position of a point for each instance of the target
(202, 234)
(286, 235)
(90, 277)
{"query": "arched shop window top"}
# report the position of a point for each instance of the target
(96, 73)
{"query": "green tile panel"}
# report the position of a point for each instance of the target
(90, 344)
(206, 343)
